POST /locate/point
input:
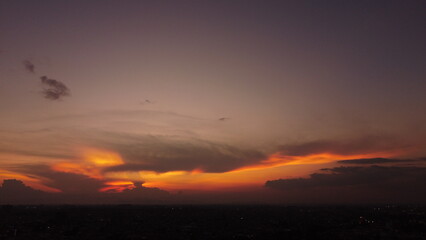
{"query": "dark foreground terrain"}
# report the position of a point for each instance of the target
(212, 222)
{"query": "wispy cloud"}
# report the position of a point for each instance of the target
(377, 161)
(363, 145)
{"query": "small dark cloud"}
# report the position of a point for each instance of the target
(357, 184)
(224, 119)
(54, 89)
(147, 101)
(362, 145)
(138, 184)
(143, 194)
(376, 161)
(29, 66)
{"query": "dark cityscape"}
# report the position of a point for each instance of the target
(212, 222)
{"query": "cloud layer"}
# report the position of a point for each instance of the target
(168, 153)
(370, 184)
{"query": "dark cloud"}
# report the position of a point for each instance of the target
(143, 194)
(344, 147)
(29, 66)
(165, 153)
(356, 184)
(224, 119)
(377, 161)
(54, 89)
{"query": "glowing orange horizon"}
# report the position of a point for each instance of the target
(94, 161)
(253, 175)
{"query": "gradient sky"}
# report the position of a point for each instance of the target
(213, 96)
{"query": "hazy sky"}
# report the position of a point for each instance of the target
(211, 95)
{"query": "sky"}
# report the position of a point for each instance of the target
(214, 101)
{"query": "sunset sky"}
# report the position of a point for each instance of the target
(211, 98)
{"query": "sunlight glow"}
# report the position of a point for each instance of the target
(94, 161)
